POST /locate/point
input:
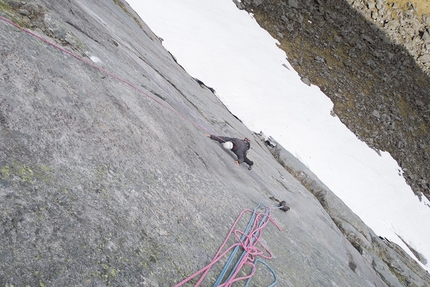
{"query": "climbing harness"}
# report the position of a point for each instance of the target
(249, 243)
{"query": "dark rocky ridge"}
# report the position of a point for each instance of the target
(102, 183)
(371, 59)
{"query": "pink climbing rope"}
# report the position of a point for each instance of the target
(107, 73)
(102, 70)
(251, 244)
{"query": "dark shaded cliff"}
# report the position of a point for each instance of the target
(107, 178)
(371, 58)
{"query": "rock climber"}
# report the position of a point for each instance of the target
(239, 146)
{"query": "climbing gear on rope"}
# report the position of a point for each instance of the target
(251, 245)
(283, 206)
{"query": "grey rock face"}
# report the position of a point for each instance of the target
(387, 259)
(107, 179)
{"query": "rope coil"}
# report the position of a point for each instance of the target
(252, 248)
